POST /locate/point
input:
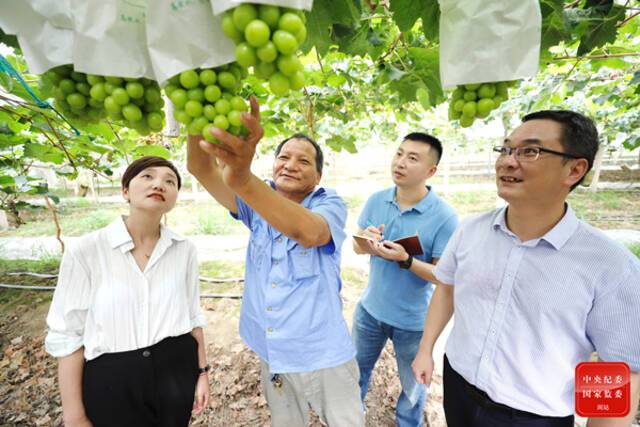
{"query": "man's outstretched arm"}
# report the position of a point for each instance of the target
(236, 154)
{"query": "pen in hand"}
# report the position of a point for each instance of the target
(377, 232)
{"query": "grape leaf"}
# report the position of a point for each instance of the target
(353, 42)
(602, 28)
(323, 15)
(319, 22)
(152, 150)
(554, 27)
(339, 142)
(44, 153)
(404, 13)
(431, 19)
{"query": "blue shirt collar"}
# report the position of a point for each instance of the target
(316, 192)
(306, 202)
(556, 237)
(420, 207)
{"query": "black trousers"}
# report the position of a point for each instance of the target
(148, 387)
(467, 406)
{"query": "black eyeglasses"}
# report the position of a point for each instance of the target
(529, 154)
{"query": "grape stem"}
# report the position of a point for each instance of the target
(602, 56)
(29, 118)
(633, 15)
(309, 113)
(53, 210)
(371, 5)
(392, 47)
(320, 62)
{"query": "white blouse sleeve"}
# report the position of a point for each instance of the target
(198, 320)
(68, 311)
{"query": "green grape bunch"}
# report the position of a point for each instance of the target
(135, 103)
(208, 97)
(71, 93)
(267, 39)
(476, 101)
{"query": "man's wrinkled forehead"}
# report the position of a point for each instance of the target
(300, 147)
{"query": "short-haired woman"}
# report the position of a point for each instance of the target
(125, 321)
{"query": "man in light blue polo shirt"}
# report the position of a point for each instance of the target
(534, 290)
(291, 312)
(395, 302)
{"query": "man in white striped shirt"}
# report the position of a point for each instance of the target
(534, 290)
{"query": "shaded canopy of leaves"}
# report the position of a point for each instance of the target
(369, 62)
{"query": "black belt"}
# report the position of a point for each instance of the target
(485, 401)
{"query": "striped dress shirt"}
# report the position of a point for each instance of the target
(526, 313)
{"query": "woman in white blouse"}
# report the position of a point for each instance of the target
(125, 321)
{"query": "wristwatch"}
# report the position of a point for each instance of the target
(204, 370)
(406, 264)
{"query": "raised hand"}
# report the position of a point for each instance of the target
(235, 154)
(374, 232)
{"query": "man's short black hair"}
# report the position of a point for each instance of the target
(579, 134)
(429, 140)
(319, 155)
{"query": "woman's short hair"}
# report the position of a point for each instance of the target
(147, 162)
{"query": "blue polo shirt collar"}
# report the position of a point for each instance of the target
(420, 207)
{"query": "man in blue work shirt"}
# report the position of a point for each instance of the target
(292, 311)
(395, 302)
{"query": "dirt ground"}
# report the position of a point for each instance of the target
(29, 394)
(28, 386)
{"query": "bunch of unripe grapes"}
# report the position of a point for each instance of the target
(476, 101)
(267, 39)
(208, 97)
(135, 103)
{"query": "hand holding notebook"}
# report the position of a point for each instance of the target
(411, 244)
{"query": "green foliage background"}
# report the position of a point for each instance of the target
(370, 65)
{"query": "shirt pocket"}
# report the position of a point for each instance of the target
(258, 243)
(304, 262)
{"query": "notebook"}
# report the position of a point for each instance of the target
(411, 244)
